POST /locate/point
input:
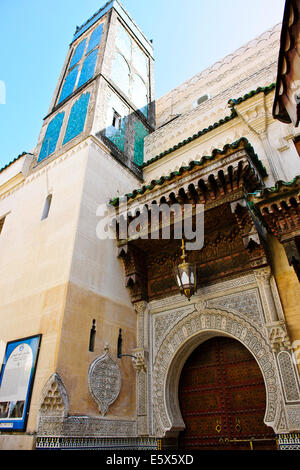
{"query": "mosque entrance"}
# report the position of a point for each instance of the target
(223, 400)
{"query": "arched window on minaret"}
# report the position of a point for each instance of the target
(121, 73)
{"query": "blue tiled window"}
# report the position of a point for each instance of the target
(77, 118)
(88, 68)
(77, 56)
(69, 84)
(95, 38)
(51, 136)
(139, 137)
(87, 65)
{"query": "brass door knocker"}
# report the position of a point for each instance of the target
(238, 426)
(218, 427)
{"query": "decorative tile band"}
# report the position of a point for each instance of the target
(285, 442)
(289, 441)
(94, 443)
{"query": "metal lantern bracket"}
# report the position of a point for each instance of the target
(120, 355)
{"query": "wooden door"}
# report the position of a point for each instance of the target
(223, 400)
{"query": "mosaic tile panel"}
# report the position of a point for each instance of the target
(140, 134)
(78, 53)
(51, 136)
(69, 84)
(88, 68)
(77, 117)
(95, 38)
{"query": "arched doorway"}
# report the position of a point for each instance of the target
(223, 400)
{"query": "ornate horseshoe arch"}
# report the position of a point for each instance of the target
(178, 344)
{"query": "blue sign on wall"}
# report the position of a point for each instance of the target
(16, 382)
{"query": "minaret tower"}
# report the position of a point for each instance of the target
(90, 150)
(105, 89)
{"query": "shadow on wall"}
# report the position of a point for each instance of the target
(125, 135)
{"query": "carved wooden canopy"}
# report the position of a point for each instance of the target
(279, 209)
(287, 95)
(233, 241)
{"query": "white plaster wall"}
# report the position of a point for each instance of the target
(95, 265)
(35, 259)
(230, 73)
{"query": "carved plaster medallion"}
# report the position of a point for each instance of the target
(104, 381)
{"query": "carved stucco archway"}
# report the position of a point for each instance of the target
(177, 345)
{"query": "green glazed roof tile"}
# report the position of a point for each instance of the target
(277, 188)
(154, 183)
(210, 128)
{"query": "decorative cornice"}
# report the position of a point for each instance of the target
(266, 90)
(278, 209)
(94, 17)
(13, 161)
(232, 102)
(281, 187)
(41, 169)
(285, 107)
(49, 163)
(242, 143)
(191, 139)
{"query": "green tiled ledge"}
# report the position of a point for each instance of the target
(234, 146)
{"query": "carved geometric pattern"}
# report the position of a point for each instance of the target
(204, 291)
(142, 394)
(163, 323)
(96, 443)
(139, 362)
(246, 302)
(54, 399)
(289, 441)
(104, 381)
(293, 416)
(287, 373)
(282, 422)
(279, 339)
(238, 327)
(84, 426)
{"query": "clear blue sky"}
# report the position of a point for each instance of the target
(188, 36)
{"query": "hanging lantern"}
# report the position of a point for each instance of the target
(185, 275)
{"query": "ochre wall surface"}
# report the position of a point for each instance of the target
(36, 258)
(75, 358)
(288, 287)
(97, 292)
